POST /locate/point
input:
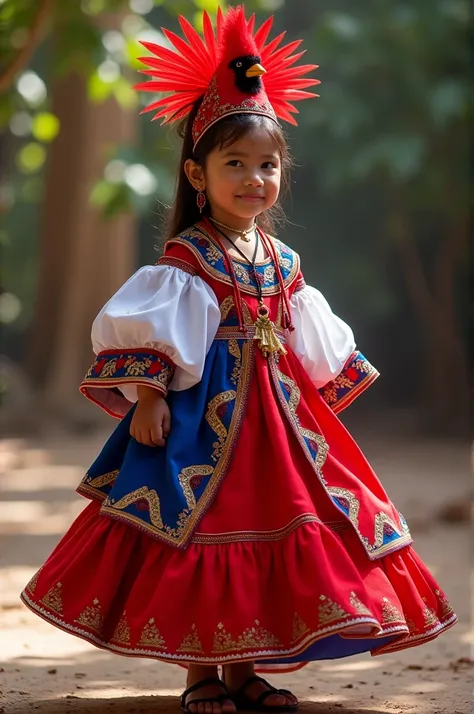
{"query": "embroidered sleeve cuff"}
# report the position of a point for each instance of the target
(357, 375)
(115, 368)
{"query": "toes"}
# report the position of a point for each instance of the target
(208, 708)
(228, 708)
(193, 708)
(276, 700)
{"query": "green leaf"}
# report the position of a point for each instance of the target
(45, 127)
(211, 6)
(31, 157)
(102, 193)
(97, 90)
(124, 93)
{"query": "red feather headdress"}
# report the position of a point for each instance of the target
(233, 70)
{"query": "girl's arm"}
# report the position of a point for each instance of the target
(155, 332)
(326, 346)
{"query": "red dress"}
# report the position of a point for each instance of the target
(296, 555)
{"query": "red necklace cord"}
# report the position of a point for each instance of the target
(270, 246)
(231, 271)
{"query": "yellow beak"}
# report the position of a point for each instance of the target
(256, 70)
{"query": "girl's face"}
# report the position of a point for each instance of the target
(242, 180)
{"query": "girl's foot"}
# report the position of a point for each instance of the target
(236, 675)
(212, 688)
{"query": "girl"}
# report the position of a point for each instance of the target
(233, 521)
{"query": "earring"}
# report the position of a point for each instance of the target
(201, 200)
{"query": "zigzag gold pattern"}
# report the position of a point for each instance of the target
(215, 422)
(185, 477)
(142, 493)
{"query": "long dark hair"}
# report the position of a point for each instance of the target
(184, 212)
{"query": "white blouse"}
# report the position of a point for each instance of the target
(173, 312)
(321, 340)
(166, 309)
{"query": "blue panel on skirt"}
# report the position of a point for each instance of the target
(333, 647)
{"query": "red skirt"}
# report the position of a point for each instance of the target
(274, 572)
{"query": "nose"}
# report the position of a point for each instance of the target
(253, 178)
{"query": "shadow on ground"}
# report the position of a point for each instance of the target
(158, 705)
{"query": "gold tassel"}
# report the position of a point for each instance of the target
(265, 333)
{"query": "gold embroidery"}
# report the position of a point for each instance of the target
(359, 606)
(182, 521)
(136, 368)
(445, 604)
(269, 274)
(108, 369)
(142, 493)
(192, 236)
(92, 617)
(177, 263)
(53, 599)
(280, 533)
(295, 394)
(212, 254)
(31, 587)
(215, 422)
(430, 616)
(228, 304)
(320, 446)
(253, 638)
(390, 613)
(191, 643)
(329, 611)
(151, 636)
(182, 531)
(300, 628)
(185, 478)
(234, 350)
(100, 481)
(122, 631)
(242, 273)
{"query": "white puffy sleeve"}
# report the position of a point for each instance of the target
(156, 331)
(326, 347)
(321, 340)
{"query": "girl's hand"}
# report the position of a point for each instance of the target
(151, 421)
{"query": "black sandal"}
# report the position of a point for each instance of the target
(225, 696)
(242, 701)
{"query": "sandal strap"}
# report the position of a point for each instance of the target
(200, 685)
(251, 680)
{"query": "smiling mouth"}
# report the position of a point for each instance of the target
(251, 198)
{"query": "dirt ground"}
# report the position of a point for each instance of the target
(43, 669)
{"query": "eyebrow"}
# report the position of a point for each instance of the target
(244, 155)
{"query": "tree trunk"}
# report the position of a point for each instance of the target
(444, 392)
(83, 259)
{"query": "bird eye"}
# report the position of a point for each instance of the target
(239, 64)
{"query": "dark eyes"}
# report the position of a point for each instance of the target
(239, 64)
(265, 165)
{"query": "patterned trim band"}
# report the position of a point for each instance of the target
(231, 332)
(357, 375)
(112, 368)
(177, 263)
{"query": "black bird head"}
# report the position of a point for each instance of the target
(248, 72)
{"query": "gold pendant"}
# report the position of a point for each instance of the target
(266, 335)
